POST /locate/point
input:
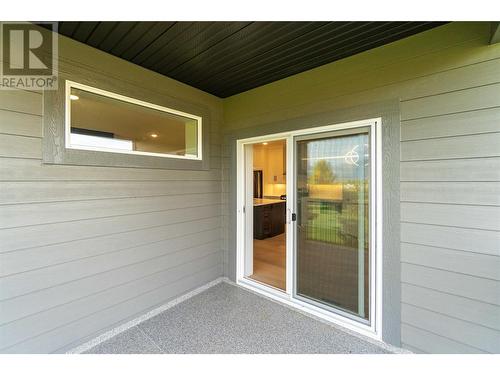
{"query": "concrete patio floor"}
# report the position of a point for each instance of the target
(229, 319)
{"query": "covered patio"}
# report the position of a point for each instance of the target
(229, 319)
(130, 203)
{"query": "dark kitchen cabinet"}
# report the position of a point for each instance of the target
(268, 220)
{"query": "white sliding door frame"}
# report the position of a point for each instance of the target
(372, 328)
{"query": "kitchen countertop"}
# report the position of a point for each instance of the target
(264, 201)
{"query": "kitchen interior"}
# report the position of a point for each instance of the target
(269, 213)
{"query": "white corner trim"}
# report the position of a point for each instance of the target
(132, 323)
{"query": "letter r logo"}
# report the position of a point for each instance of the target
(26, 50)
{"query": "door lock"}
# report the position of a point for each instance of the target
(294, 217)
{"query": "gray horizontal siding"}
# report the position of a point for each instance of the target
(470, 192)
(473, 287)
(27, 282)
(481, 313)
(20, 146)
(474, 335)
(468, 263)
(24, 260)
(437, 65)
(465, 216)
(28, 102)
(83, 249)
(461, 147)
(47, 298)
(456, 124)
(17, 142)
(47, 191)
(12, 239)
(20, 124)
(450, 213)
(31, 170)
(475, 170)
(63, 337)
(24, 328)
(466, 239)
(448, 84)
(418, 338)
(467, 99)
(56, 218)
(17, 215)
(471, 70)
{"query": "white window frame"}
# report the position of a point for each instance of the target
(94, 90)
(374, 327)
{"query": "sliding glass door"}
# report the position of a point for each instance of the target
(327, 253)
(332, 249)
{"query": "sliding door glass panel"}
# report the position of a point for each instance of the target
(333, 215)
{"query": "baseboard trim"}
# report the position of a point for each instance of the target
(134, 322)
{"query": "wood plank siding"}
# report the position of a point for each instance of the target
(447, 81)
(85, 248)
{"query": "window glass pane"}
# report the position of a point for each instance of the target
(99, 122)
(333, 261)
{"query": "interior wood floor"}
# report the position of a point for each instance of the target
(269, 261)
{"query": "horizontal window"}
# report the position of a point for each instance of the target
(99, 120)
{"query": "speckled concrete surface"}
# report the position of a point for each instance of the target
(229, 319)
(132, 341)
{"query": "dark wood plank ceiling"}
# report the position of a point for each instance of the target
(226, 58)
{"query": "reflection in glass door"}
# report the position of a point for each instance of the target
(332, 262)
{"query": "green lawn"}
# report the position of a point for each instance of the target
(336, 224)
